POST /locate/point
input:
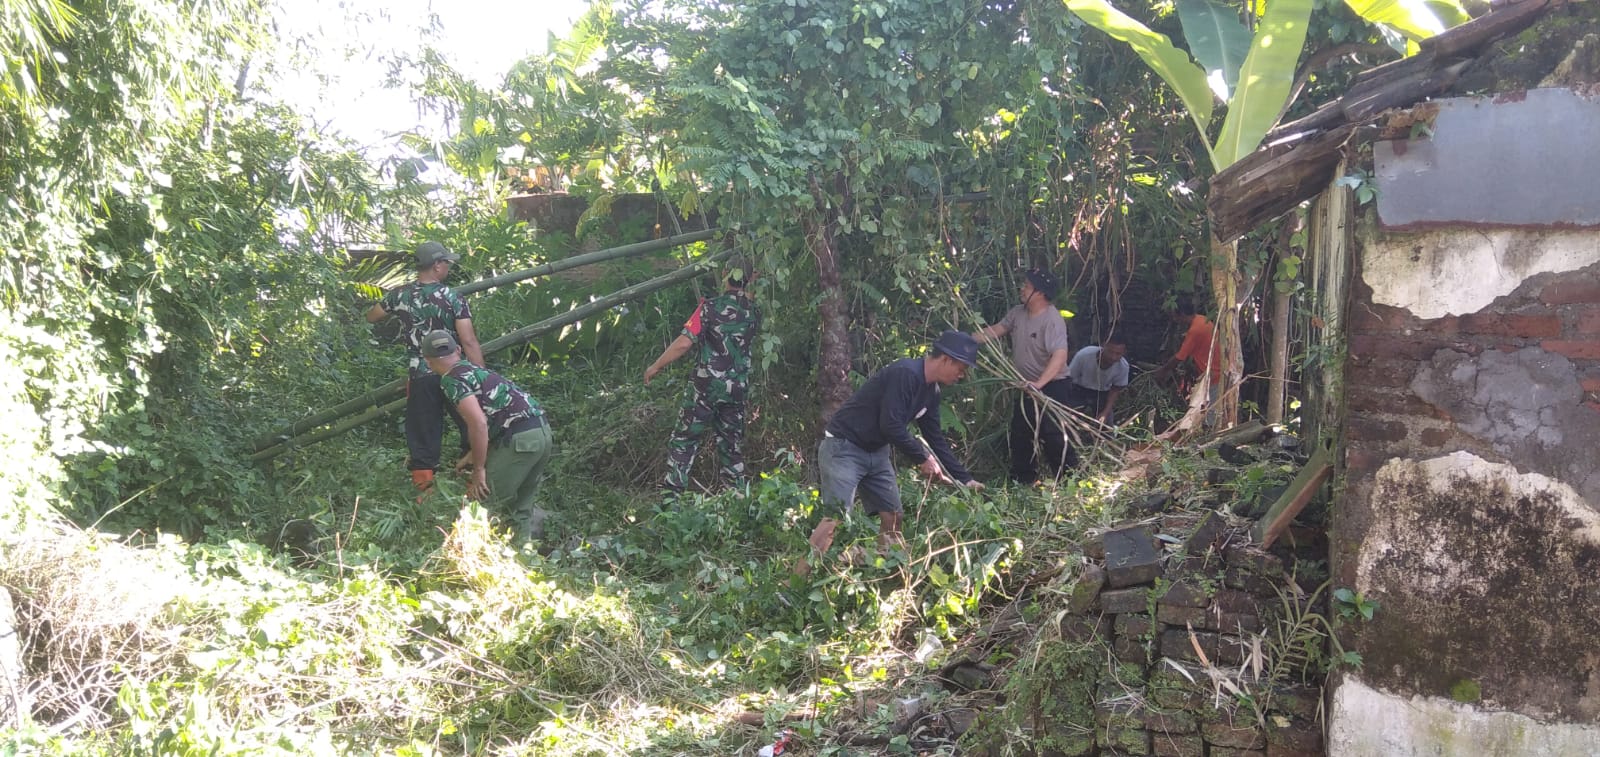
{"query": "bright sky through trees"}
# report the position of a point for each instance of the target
(354, 40)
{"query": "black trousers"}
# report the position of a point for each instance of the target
(426, 408)
(1036, 436)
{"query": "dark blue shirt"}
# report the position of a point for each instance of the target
(878, 413)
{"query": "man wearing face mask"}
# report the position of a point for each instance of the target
(1039, 351)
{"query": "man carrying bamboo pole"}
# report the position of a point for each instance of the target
(424, 306)
(509, 437)
(1039, 352)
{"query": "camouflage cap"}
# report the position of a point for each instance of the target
(429, 253)
(439, 343)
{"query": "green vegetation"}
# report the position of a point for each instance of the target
(187, 264)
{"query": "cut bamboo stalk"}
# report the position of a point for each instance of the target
(396, 388)
(511, 339)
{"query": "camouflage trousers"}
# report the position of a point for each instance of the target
(700, 413)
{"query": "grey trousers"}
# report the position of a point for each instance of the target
(848, 469)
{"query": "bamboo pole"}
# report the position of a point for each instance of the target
(396, 388)
(511, 339)
(590, 258)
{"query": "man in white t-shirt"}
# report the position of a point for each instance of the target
(1098, 375)
(1039, 350)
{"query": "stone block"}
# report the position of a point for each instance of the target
(1085, 588)
(1178, 522)
(1278, 751)
(1150, 504)
(1174, 615)
(1134, 624)
(1121, 679)
(1071, 742)
(1131, 741)
(1175, 745)
(1166, 720)
(1169, 689)
(1237, 731)
(1298, 735)
(1183, 594)
(1207, 567)
(1131, 557)
(1177, 644)
(1231, 650)
(1235, 623)
(1222, 751)
(1082, 629)
(1299, 701)
(1131, 649)
(1119, 601)
(1206, 534)
(1245, 580)
(1094, 547)
(1235, 602)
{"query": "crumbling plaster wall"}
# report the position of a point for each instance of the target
(1469, 500)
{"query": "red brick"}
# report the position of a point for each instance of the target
(1368, 371)
(1436, 437)
(1360, 461)
(1588, 322)
(1273, 750)
(1393, 347)
(1368, 318)
(1511, 324)
(1392, 403)
(1577, 349)
(1592, 405)
(1571, 290)
(1590, 384)
(1369, 430)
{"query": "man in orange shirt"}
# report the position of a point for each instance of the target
(1197, 346)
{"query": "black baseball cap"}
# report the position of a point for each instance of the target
(1043, 281)
(439, 343)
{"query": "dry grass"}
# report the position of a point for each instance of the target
(90, 612)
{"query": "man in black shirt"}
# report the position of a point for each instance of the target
(854, 455)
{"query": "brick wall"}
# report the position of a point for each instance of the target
(1558, 313)
(1469, 500)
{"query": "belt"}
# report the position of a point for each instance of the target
(528, 423)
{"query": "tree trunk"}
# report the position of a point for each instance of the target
(834, 358)
(1225, 290)
(1282, 295)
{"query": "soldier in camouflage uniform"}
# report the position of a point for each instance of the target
(724, 327)
(423, 306)
(510, 440)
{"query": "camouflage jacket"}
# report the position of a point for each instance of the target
(502, 401)
(724, 329)
(422, 308)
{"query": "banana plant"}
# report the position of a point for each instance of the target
(1253, 74)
